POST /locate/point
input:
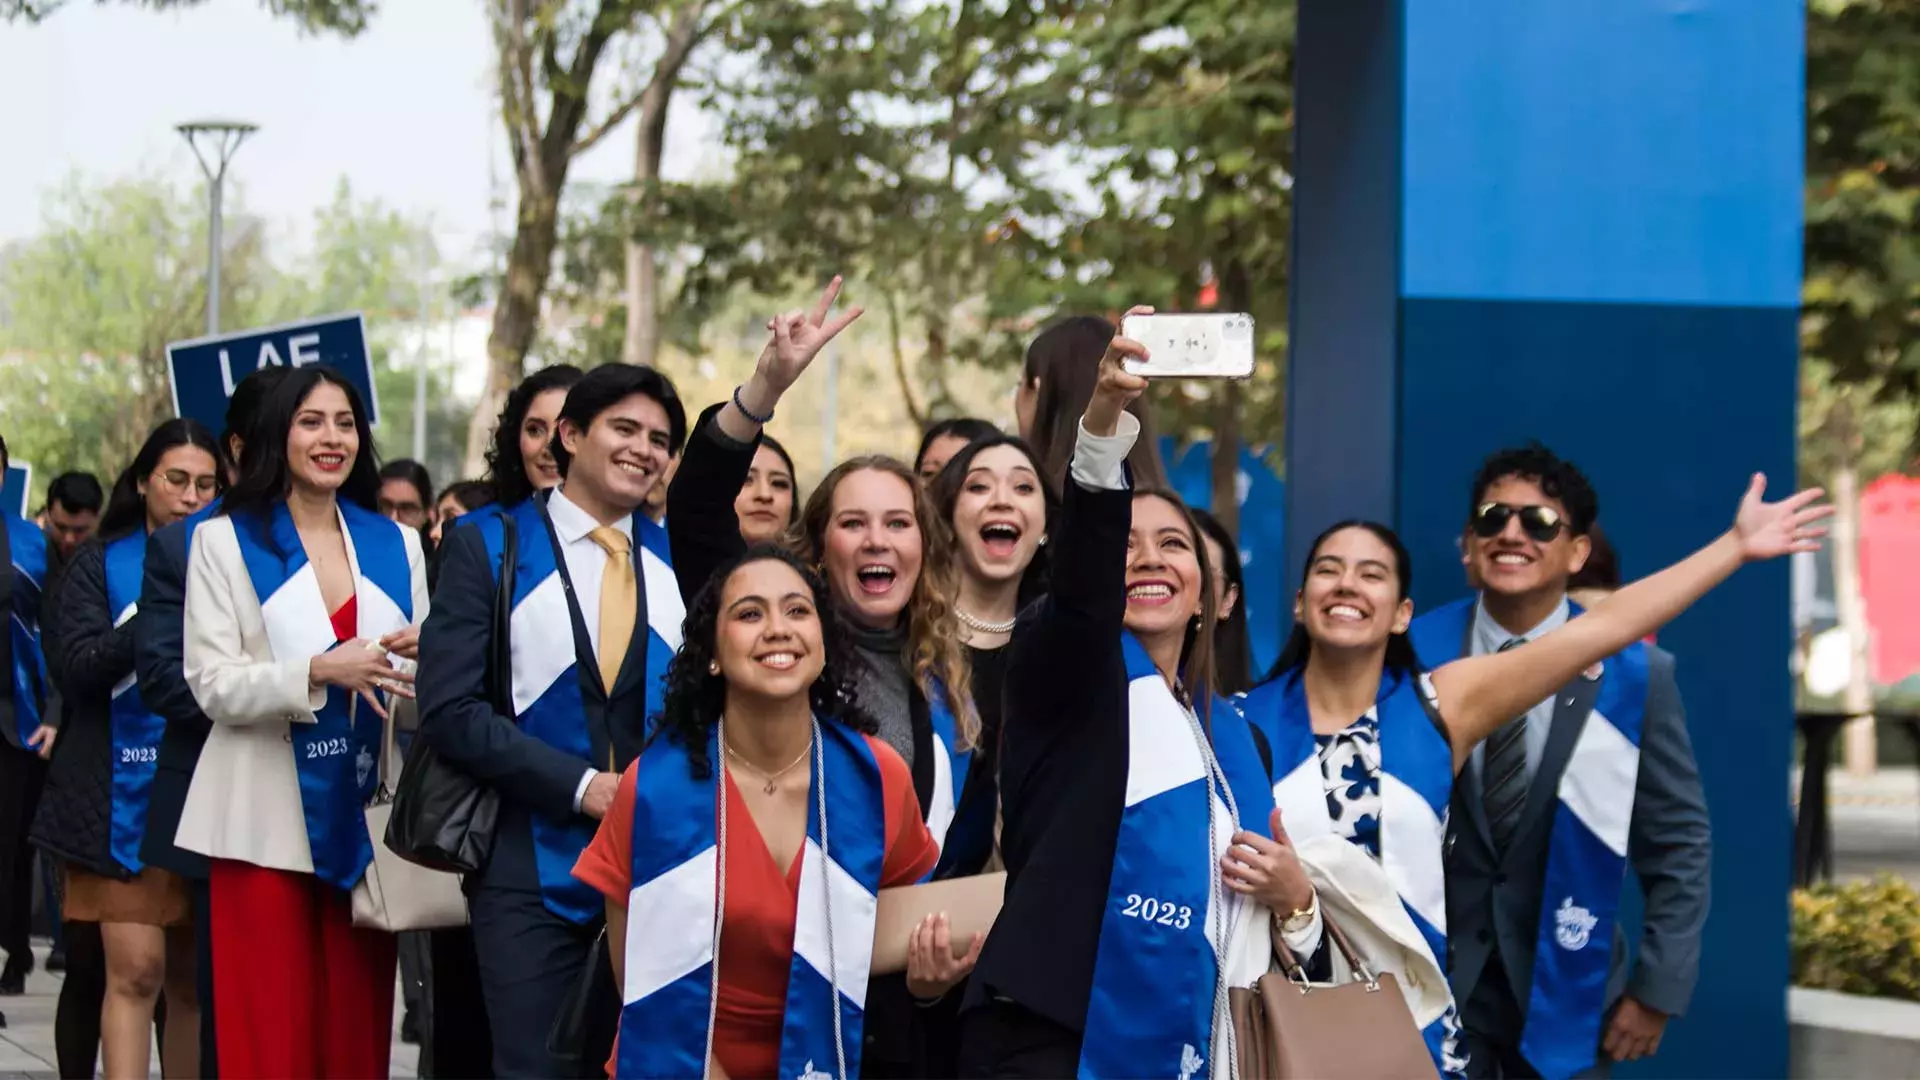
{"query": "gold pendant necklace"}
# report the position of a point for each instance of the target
(771, 778)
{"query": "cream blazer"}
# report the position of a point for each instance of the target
(244, 801)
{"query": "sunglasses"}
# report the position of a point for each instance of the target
(1541, 523)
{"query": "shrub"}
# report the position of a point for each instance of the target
(1862, 937)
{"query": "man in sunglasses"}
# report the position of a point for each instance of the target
(1551, 810)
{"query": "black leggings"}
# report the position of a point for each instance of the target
(76, 1018)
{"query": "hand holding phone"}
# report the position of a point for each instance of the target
(1203, 346)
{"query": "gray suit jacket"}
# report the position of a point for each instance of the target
(1496, 900)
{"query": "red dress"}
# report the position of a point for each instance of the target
(298, 989)
(756, 943)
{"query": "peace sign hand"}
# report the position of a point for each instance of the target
(799, 336)
(1769, 530)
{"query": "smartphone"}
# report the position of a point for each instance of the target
(1209, 346)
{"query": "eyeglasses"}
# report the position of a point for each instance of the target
(178, 481)
(1541, 523)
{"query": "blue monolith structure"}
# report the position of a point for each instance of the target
(1577, 221)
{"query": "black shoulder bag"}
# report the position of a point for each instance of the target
(443, 818)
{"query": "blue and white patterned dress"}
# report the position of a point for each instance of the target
(1350, 769)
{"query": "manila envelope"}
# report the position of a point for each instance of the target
(971, 904)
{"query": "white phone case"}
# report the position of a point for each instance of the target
(1209, 346)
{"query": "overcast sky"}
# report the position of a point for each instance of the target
(404, 111)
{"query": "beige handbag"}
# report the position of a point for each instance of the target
(395, 894)
(1286, 1028)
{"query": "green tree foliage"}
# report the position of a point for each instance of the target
(87, 309)
(118, 271)
(345, 17)
(1861, 325)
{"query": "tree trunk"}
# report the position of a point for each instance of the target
(642, 344)
(914, 411)
(1225, 467)
(1236, 290)
(516, 315)
(1859, 748)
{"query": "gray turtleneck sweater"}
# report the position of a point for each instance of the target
(885, 686)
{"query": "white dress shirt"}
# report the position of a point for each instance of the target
(587, 568)
(1486, 638)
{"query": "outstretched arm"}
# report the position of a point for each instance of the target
(1478, 694)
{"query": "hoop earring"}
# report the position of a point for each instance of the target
(713, 667)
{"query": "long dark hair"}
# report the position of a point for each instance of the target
(695, 696)
(1232, 654)
(126, 507)
(506, 469)
(1197, 649)
(264, 474)
(947, 486)
(1400, 655)
(1065, 357)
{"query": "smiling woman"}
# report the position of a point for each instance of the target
(299, 598)
(765, 688)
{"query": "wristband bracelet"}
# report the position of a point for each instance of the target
(748, 413)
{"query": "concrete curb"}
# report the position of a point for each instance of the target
(1844, 1036)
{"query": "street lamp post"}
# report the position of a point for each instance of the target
(223, 138)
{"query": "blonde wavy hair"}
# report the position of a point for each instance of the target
(934, 649)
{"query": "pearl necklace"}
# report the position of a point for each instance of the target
(973, 622)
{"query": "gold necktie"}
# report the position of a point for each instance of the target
(619, 602)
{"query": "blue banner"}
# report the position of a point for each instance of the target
(13, 494)
(204, 371)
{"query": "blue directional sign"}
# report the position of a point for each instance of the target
(204, 371)
(13, 493)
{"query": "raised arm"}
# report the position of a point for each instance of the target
(1080, 619)
(1478, 694)
(701, 522)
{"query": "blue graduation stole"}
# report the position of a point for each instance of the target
(950, 767)
(1586, 852)
(548, 700)
(1151, 1010)
(136, 729)
(1416, 782)
(337, 755)
(29, 555)
(672, 913)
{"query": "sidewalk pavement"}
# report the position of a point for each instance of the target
(26, 1044)
(1876, 822)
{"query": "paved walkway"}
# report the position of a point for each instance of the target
(1876, 823)
(26, 1045)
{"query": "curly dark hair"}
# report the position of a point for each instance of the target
(695, 696)
(1558, 478)
(506, 469)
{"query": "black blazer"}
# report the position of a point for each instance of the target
(1063, 768)
(158, 656)
(90, 655)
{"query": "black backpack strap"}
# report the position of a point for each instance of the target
(500, 655)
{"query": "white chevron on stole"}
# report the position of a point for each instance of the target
(1599, 782)
(541, 651)
(670, 925)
